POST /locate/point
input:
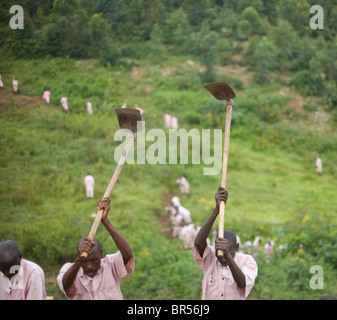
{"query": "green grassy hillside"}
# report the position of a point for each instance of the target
(274, 191)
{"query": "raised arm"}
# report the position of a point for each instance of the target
(122, 245)
(228, 259)
(201, 238)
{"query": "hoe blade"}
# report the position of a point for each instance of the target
(220, 90)
(129, 118)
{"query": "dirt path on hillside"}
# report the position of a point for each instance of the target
(163, 217)
(17, 101)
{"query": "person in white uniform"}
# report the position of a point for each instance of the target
(319, 167)
(89, 182)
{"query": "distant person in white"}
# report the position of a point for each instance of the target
(167, 119)
(46, 96)
(89, 185)
(15, 85)
(319, 168)
(64, 103)
(184, 186)
(174, 123)
(183, 215)
(89, 108)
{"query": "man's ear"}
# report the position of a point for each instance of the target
(101, 253)
(237, 247)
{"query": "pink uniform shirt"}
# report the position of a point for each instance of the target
(29, 284)
(105, 285)
(167, 119)
(46, 96)
(218, 282)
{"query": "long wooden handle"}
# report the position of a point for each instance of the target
(229, 108)
(131, 139)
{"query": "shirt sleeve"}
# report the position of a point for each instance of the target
(249, 269)
(36, 289)
(203, 262)
(72, 291)
(119, 270)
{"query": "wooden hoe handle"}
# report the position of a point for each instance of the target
(131, 139)
(229, 107)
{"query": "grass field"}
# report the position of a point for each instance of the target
(274, 191)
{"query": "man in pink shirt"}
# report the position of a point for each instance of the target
(227, 277)
(20, 279)
(46, 96)
(94, 278)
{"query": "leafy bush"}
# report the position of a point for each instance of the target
(310, 241)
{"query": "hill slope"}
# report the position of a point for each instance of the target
(274, 191)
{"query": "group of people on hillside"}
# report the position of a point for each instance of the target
(46, 96)
(170, 121)
(230, 276)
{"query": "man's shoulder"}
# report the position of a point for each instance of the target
(30, 266)
(244, 258)
(110, 257)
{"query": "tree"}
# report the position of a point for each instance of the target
(79, 38)
(296, 12)
(256, 24)
(65, 7)
(224, 50)
(264, 59)
(67, 31)
(207, 49)
(243, 30)
(97, 30)
(54, 34)
(284, 36)
(177, 27)
(270, 10)
(197, 11)
(109, 10)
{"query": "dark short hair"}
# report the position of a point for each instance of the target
(9, 248)
(95, 240)
(231, 237)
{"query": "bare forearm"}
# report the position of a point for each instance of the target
(238, 275)
(70, 275)
(201, 238)
(119, 240)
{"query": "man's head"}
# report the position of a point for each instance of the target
(175, 201)
(233, 245)
(93, 262)
(10, 256)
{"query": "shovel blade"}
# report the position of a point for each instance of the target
(130, 119)
(220, 90)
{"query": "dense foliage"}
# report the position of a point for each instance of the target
(275, 35)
